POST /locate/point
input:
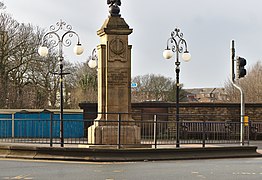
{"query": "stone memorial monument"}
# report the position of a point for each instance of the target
(114, 83)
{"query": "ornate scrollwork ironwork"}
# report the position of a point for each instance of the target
(178, 42)
(94, 55)
(54, 38)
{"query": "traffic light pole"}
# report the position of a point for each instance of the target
(242, 113)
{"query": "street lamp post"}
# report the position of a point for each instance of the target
(178, 45)
(56, 39)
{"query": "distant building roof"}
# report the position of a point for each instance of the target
(206, 95)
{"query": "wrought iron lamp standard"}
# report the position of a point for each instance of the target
(59, 36)
(178, 46)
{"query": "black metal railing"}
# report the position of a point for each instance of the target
(151, 129)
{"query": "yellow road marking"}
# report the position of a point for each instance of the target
(26, 176)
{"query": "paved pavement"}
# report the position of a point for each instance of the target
(258, 144)
(111, 153)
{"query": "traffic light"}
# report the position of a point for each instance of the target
(241, 71)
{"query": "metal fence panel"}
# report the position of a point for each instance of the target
(155, 129)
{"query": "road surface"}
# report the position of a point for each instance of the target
(215, 169)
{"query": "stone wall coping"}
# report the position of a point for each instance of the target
(182, 104)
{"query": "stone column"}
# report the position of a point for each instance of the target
(114, 85)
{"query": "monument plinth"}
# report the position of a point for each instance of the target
(114, 86)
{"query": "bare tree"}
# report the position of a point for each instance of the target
(44, 82)
(22, 59)
(153, 87)
(9, 29)
(85, 84)
(251, 84)
(18, 52)
(26, 79)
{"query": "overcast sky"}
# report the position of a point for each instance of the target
(208, 27)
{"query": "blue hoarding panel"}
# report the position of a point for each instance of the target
(38, 125)
(73, 125)
(5, 125)
(32, 125)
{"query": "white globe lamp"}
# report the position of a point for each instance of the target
(92, 63)
(43, 51)
(168, 54)
(78, 49)
(186, 56)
